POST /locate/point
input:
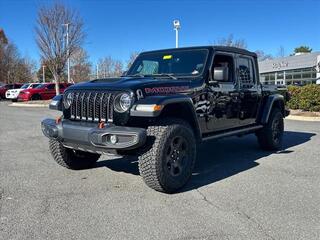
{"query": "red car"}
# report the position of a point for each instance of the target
(5, 87)
(44, 91)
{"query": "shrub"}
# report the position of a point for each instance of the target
(306, 98)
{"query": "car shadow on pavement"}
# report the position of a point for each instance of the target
(218, 159)
(121, 164)
(223, 158)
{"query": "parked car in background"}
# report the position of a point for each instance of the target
(45, 91)
(5, 87)
(14, 93)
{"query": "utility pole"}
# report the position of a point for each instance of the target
(68, 52)
(43, 74)
(177, 26)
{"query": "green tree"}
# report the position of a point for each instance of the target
(47, 73)
(303, 49)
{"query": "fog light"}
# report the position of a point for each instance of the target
(113, 139)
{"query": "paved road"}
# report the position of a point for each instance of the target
(236, 192)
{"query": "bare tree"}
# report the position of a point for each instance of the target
(51, 34)
(263, 56)
(24, 70)
(13, 68)
(80, 66)
(133, 57)
(3, 38)
(106, 66)
(118, 68)
(231, 42)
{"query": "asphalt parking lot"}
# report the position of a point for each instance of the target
(237, 191)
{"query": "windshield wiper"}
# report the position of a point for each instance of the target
(166, 75)
(135, 75)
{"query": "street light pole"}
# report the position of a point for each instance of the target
(43, 74)
(68, 53)
(177, 37)
(177, 26)
(97, 73)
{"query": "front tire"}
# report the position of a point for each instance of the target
(72, 159)
(270, 136)
(167, 164)
(35, 97)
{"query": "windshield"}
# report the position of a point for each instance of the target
(35, 85)
(25, 86)
(174, 62)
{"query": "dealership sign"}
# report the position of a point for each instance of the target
(280, 65)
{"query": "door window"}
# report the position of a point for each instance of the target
(245, 73)
(50, 86)
(225, 62)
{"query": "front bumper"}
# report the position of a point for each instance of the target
(23, 98)
(11, 95)
(88, 137)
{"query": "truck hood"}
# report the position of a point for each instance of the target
(145, 84)
(15, 90)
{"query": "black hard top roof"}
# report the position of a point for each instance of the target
(216, 48)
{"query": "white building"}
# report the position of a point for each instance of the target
(298, 69)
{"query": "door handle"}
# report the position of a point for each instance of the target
(234, 94)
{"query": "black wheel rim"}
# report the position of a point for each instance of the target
(177, 156)
(277, 130)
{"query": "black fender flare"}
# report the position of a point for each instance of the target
(166, 101)
(269, 104)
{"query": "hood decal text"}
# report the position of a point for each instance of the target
(173, 89)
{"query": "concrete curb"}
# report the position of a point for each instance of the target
(302, 118)
(290, 117)
(35, 105)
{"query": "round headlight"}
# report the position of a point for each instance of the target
(68, 100)
(122, 102)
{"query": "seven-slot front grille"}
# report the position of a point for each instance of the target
(91, 106)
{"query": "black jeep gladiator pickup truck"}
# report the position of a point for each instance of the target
(167, 103)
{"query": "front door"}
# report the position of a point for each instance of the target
(49, 92)
(222, 96)
(250, 90)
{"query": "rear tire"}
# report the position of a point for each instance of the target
(270, 136)
(72, 159)
(168, 161)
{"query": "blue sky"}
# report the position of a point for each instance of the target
(117, 28)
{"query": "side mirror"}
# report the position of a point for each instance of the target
(220, 74)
